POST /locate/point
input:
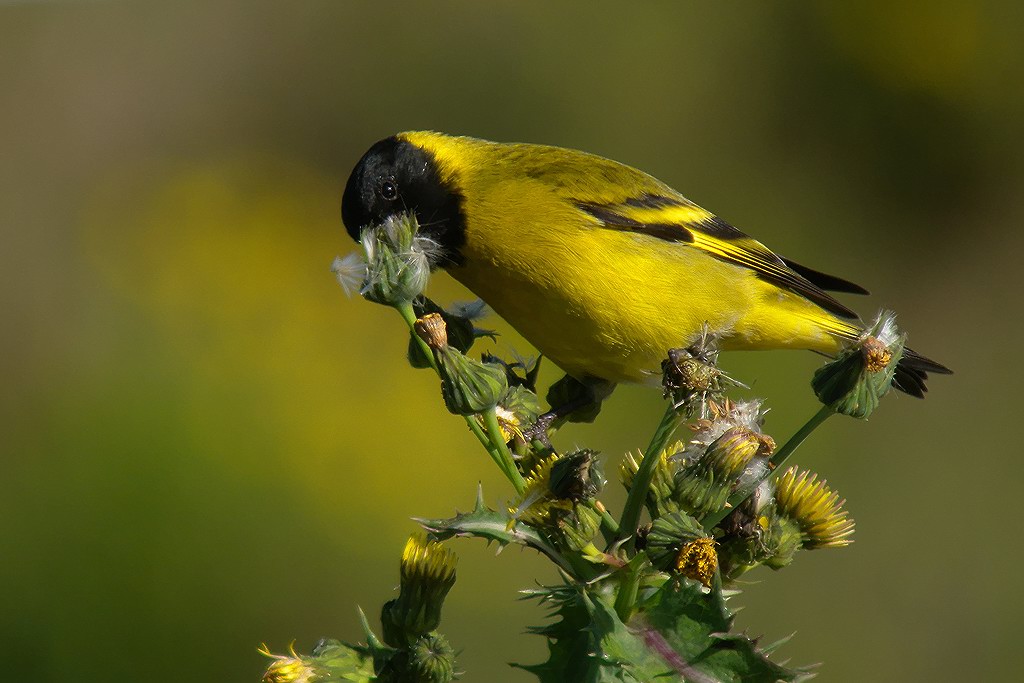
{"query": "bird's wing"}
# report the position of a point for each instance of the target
(672, 218)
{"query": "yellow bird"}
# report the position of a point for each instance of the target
(600, 266)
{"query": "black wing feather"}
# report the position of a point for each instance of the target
(830, 283)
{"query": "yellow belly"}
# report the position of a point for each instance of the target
(610, 304)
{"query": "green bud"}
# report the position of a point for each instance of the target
(564, 518)
(860, 375)
(781, 541)
(431, 660)
(577, 525)
(468, 386)
(667, 537)
(753, 534)
(705, 484)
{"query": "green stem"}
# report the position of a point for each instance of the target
(409, 316)
(645, 474)
(500, 452)
(629, 588)
(777, 460)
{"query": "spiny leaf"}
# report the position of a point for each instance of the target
(681, 631)
(492, 525)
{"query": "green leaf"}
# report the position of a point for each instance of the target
(680, 631)
(696, 627)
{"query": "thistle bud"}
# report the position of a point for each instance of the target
(469, 386)
(576, 526)
(427, 574)
(397, 260)
(288, 669)
(730, 453)
(754, 535)
(667, 537)
(804, 513)
(431, 660)
(780, 542)
(860, 375)
(706, 482)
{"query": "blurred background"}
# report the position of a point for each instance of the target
(206, 445)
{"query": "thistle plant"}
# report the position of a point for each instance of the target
(639, 599)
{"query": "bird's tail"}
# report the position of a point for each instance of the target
(912, 373)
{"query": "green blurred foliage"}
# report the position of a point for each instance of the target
(206, 445)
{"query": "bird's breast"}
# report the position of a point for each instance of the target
(597, 302)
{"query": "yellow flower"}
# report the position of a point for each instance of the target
(815, 508)
(287, 668)
(427, 574)
(698, 560)
(536, 502)
(427, 562)
(659, 498)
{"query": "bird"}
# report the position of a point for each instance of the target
(600, 266)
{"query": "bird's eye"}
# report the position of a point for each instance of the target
(389, 190)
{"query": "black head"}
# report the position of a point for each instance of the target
(396, 176)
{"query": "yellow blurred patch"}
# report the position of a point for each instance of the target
(229, 262)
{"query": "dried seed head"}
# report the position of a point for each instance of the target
(433, 330)
(397, 260)
(855, 381)
(876, 355)
(350, 272)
